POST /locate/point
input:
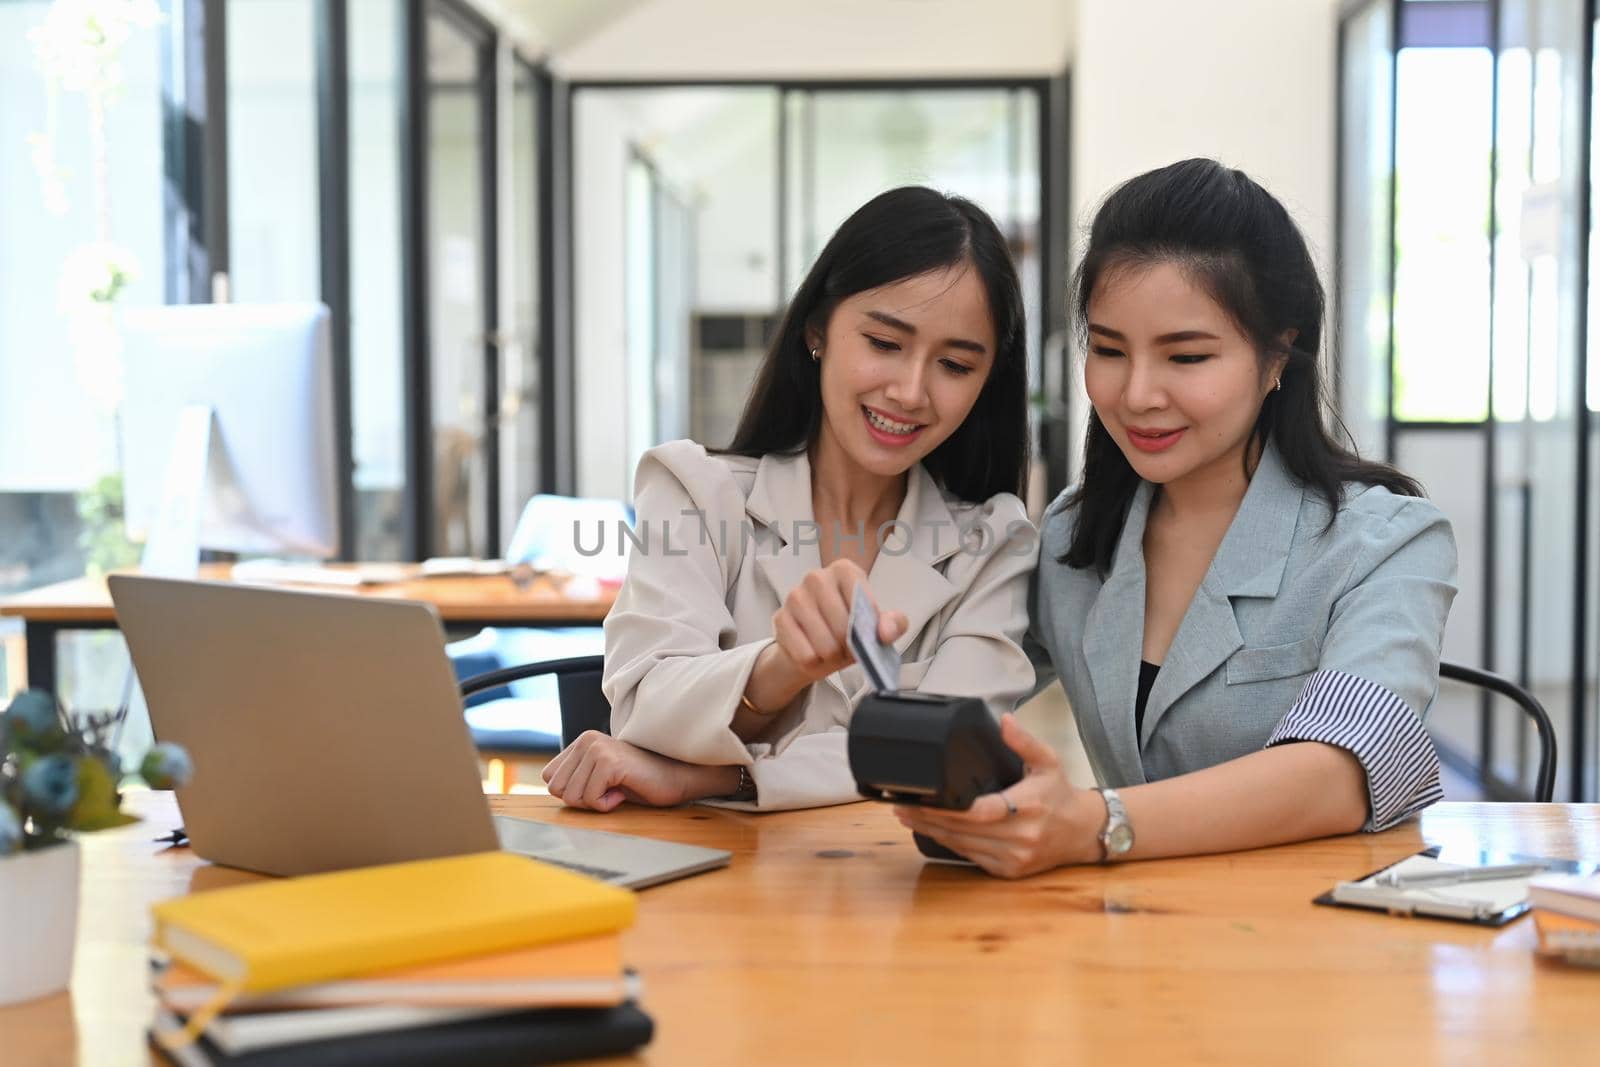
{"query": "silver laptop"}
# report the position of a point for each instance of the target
(327, 732)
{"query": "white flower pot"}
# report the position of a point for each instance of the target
(38, 921)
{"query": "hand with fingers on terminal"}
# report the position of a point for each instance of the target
(600, 772)
(1041, 822)
(811, 631)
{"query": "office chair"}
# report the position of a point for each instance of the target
(583, 706)
(570, 534)
(1545, 782)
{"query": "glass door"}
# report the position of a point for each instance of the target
(1538, 197)
(1464, 175)
(461, 267)
(703, 206)
(520, 355)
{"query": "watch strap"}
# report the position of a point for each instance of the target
(1116, 817)
(747, 785)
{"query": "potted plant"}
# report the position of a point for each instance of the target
(58, 776)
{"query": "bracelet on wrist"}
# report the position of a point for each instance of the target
(747, 704)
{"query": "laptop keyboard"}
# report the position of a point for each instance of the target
(583, 868)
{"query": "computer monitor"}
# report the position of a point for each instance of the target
(265, 374)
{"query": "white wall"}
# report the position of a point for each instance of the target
(600, 150)
(1249, 82)
(515, 20)
(706, 39)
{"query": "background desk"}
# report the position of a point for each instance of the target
(829, 941)
(85, 604)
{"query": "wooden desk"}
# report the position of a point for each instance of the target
(85, 604)
(829, 941)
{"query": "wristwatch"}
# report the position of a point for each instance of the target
(1116, 836)
(747, 785)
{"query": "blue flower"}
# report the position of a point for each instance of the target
(10, 830)
(51, 784)
(33, 715)
(166, 766)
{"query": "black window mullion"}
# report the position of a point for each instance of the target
(213, 76)
(1390, 430)
(194, 148)
(564, 392)
(1581, 699)
(1055, 441)
(418, 380)
(1491, 457)
(333, 167)
(489, 164)
(544, 166)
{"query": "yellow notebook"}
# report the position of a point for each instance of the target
(273, 935)
(581, 972)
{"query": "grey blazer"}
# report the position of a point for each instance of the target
(1299, 631)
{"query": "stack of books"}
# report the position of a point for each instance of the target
(1566, 908)
(483, 959)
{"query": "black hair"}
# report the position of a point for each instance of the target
(1235, 240)
(901, 234)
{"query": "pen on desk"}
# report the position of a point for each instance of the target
(1462, 874)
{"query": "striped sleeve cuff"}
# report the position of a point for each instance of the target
(1379, 730)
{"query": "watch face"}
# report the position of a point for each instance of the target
(1120, 839)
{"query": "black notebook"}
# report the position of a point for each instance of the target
(510, 1040)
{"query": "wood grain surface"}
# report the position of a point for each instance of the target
(477, 599)
(829, 941)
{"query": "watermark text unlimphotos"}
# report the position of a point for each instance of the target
(893, 538)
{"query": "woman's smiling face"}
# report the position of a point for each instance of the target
(1175, 382)
(902, 366)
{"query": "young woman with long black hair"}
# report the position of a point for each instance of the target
(1246, 616)
(884, 443)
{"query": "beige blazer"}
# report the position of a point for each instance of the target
(721, 540)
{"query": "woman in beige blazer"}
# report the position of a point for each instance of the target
(883, 443)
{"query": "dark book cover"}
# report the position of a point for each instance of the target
(515, 1039)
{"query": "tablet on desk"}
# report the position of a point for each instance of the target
(1450, 884)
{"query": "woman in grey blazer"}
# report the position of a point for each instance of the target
(1246, 617)
(883, 445)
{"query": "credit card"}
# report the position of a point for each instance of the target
(881, 662)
